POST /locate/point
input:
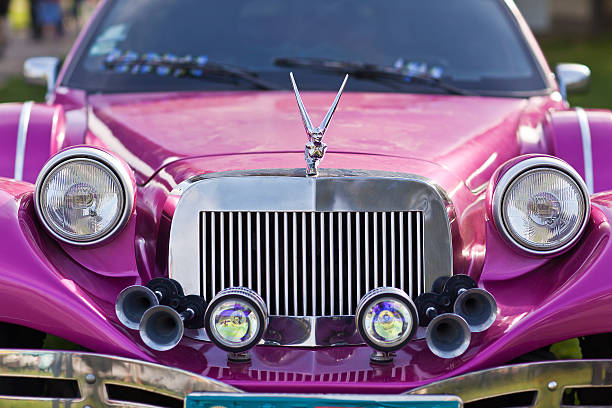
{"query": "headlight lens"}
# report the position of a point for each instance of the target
(234, 323)
(386, 319)
(82, 196)
(544, 208)
(81, 200)
(541, 205)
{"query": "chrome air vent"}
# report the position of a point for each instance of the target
(309, 246)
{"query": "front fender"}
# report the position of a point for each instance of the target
(583, 138)
(46, 290)
(27, 132)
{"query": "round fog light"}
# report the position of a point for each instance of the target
(236, 319)
(387, 319)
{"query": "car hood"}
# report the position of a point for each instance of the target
(467, 136)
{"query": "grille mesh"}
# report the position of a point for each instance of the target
(311, 263)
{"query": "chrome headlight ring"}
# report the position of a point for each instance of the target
(105, 165)
(531, 166)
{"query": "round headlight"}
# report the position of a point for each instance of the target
(386, 319)
(83, 196)
(541, 205)
(236, 319)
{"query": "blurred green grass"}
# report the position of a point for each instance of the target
(16, 90)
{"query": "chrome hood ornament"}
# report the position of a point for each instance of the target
(315, 148)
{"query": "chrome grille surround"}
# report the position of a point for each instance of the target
(286, 198)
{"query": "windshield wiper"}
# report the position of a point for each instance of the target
(182, 67)
(369, 71)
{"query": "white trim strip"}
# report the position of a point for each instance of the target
(587, 149)
(22, 134)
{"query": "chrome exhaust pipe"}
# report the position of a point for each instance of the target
(448, 335)
(478, 307)
(162, 327)
(132, 303)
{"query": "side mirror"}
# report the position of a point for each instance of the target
(42, 71)
(573, 78)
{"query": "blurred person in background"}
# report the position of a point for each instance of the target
(49, 14)
(4, 5)
(35, 26)
(76, 10)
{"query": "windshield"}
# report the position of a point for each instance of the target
(162, 45)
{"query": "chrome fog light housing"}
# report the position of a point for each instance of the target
(541, 205)
(84, 196)
(386, 319)
(236, 319)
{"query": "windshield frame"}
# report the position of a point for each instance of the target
(526, 39)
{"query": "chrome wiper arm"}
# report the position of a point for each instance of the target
(185, 67)
(368, 71)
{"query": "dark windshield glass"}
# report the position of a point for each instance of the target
(472, 44)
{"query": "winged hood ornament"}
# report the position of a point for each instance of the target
(315, 148)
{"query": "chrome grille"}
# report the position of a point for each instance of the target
(311, 263)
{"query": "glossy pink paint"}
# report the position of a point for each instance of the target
(457, 142)
(45, 126)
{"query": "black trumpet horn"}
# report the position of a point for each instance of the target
(162, 327)
(448, 335)
(478, 307)
(132, 303)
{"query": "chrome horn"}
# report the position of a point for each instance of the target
(448, 335)
(478, 307)
(161, 327)
(132, 303)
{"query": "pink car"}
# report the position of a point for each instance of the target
(176, 214)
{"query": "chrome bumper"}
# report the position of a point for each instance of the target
(547, 380)
(93, 373)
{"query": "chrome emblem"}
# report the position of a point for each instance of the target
(315, 148)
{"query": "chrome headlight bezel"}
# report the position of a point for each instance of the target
(106, 162)
(513, 174)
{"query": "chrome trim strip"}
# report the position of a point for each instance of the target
(587, 149)
(518, 169)
(22, 135)
(333, 191)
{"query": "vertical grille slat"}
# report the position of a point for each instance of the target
(332, 260)
(336, 257)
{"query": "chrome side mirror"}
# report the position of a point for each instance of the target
(41, 71)
(573, 78)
